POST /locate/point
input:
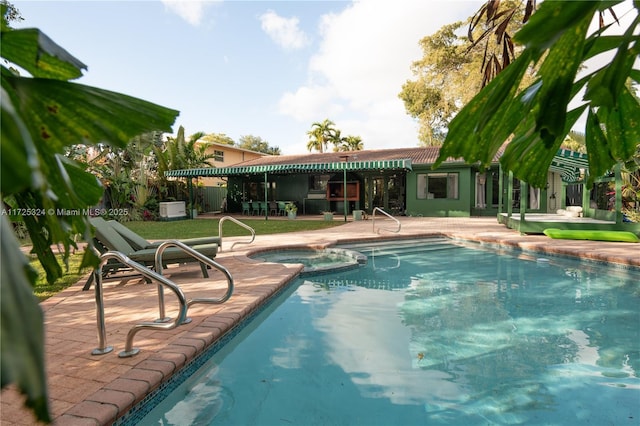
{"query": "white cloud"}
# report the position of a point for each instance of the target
(284, 31)
(189, 10)
(309, 103)
(363, 59)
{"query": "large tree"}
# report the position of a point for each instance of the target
(536, 119)
(457, 60)
(220, 138)
(43, 115)
(256, 143)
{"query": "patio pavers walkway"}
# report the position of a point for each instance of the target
(95, 390)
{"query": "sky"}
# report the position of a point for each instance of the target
(262, 68)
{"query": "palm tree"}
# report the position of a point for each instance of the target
(352, 143)
(320, 135)
(178, 154)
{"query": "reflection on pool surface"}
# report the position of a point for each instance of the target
(430, 333)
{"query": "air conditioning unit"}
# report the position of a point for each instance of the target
(173, 210)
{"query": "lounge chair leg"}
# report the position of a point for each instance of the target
(203, 267)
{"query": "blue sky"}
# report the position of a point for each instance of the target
(262, 68)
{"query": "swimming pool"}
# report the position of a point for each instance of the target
(430, 332)
(315, 261)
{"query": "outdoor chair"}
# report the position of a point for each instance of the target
(282, 208)
(263, 208)
(255, 208)
(108, 239)
(137, 242)
(273, 208)
(246, 208)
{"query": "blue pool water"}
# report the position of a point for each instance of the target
(430, 333)
(315, 261)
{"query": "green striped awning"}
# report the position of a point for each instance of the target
(350, 166)
(569, 164)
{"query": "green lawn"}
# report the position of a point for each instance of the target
(180, 229)
(70, 276)
(175, 230)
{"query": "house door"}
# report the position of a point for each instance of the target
(388, 193)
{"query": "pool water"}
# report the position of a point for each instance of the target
(315, 261)
(430, 332)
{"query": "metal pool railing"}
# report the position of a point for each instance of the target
(200, 257)
(162, 323)
(373, 220)
(129, 350)
(236, 221)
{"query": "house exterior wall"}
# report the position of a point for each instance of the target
(296, 188)
(231, 155)
(459, 206)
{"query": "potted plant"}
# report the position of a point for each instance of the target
(291, 209)
(328, 216)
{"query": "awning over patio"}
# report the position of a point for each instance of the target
(350, 166)
(569, 164)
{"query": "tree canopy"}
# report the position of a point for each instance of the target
(456, 62)
(536, 119)
(256, 143)
(324, 133)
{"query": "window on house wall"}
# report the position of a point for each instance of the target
(487, 189)
(218, 156)
(318, 182)
(437, 186)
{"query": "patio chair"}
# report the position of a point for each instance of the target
(246, 208)
(107, 238)
(137, 242)
(282, 208)
(273, 208)
(263, 208)
(255, 208)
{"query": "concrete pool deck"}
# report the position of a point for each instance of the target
(96, 390)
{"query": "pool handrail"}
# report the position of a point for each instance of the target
(147, 273)
(373, 259)
(373, 220)
(202, 258)
(242, 224)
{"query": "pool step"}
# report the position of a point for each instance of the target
(402, 251)
(398, 244)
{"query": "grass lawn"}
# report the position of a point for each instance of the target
(174, 230)
(70, 276)
(180, 229)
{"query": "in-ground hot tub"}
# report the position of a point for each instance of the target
(314, 260)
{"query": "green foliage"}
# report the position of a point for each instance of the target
(255, 143)
(455, 64)
(325, 133)
(179, 154)
(42, 116)
(72, 273)
(348, 143)
(21, 326)
(220, 138)
(291, 208)
(320, 135)
(537, 118)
